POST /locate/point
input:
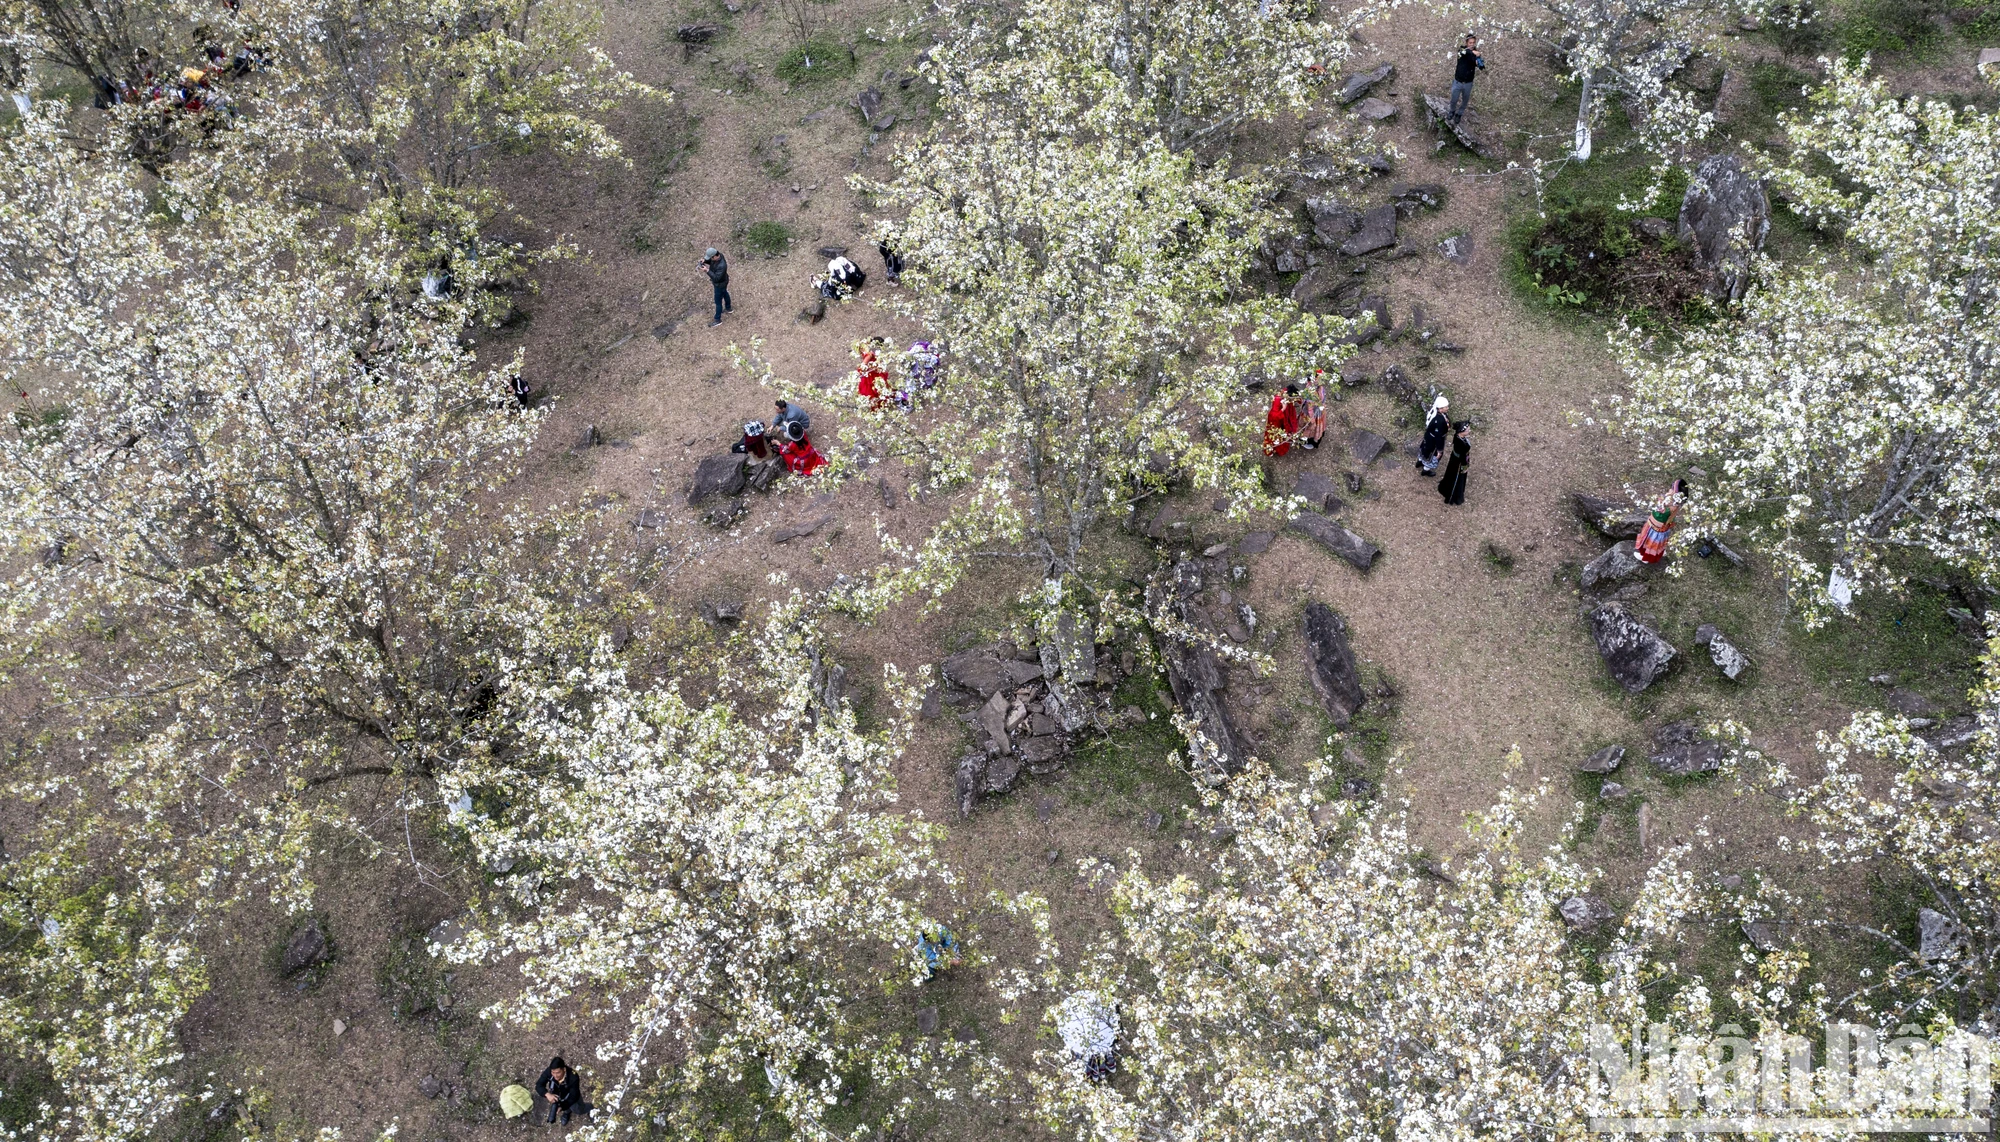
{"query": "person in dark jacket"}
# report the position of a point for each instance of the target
(717, 268)
(788, 413)
(559, 1089)
(1470, 63)
(892, 262)
(1452, 485)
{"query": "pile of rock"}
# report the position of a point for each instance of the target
(1025, 709)
(727, 477)
(1188, 595)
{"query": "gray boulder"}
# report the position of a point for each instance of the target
(1722, 652)
(1584, 913)
(1319, 491)
(1619, 561)
(1680, 749)
(1613, 518)
(1332, 668)
(1411, 197)
(986, 673)
(1725, 214)
(1366, 446)
(307, 949)
(717, 475)
(1376, 110)
(1360, 85)
(1337, 539)
(1457, 249)
(1467, 130)
(1605, 760)
(1633, 652)
(1939, 937)
(1377, 232)
(1332, 219)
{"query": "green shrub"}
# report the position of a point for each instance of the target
(768, 238)
(817, 61)
(1881, 27)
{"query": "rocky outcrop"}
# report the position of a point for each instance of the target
(1330, 664)
(1377, 231)
(1584, 913)
(1725, 215)
(985, 672)
(1193, 672)
(1605, 760)
(1633, 652)
(1468, 131)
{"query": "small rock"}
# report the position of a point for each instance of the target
(1416, 196)
(1882, 679)
(308, 948)
(591, 437)
(831, 252)
(1045, 809)
(814, 313)
(717, 475)
(339, 1028)
(1939, 937)
(697, 33)
(800, 531)
(1457, 249)
(1352, 480)
(1989, 59)
(1584, 913)
(1612, 791)
(1357, 789)
(1317, 490)
(1908, 703)
(1255, 542)
(869, 103)
(430, 1086)
(1722, 652)
(1605, 760)
(1154, 820)
(1377, 232)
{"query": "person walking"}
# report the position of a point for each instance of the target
(1452, 485)
(1437, 430)
(559, 1089)
(1470, 63)
(717, 268)
(1651, 544)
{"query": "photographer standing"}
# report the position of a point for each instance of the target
(1470, 63)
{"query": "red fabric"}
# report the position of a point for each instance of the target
(872, 379)
(801, 458)
(758, 445)
(1281, 424)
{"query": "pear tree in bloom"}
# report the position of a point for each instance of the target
(1199, 68)
(715, 869)
(1631, 49)
(1318, 982)
(1935, 812)
(252, 569)
(1850, 414)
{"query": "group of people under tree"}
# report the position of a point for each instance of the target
(787, 441)
(1298, 416)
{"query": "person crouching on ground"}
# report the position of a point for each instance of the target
(559, 1089)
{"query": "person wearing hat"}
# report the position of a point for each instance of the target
(754, 443)
(559, 1089)
(1437, 430)
(717, 268)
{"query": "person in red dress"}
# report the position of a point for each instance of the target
(797, 451)
(1281, 424)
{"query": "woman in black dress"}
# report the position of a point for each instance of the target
(1452, 486)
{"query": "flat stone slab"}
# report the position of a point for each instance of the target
(1366, 445)
(1466, 130)
(1377, 232)
(1360, 85)
(1337, 539)
(1376, 110)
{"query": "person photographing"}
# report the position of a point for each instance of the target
(1470, 63)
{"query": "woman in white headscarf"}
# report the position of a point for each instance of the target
(1437, 432)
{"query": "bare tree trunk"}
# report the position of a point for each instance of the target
(1582, 152)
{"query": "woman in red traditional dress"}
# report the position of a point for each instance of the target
(797, 451)
(1281, 424)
